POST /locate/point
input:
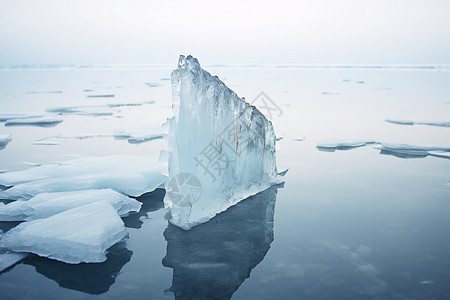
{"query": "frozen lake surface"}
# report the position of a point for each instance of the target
(363, 214)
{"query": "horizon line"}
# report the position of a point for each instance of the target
(240, 66)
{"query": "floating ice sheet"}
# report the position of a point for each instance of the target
(131, 175)
(8, 259)
(342, 144)
(94, 110)
(4, 140)
(48, 204)
(222, 149)
(413, 151)
(408, 122)
(6, 117)
(35, 121)
(81, 234)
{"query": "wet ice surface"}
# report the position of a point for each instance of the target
(347, 225)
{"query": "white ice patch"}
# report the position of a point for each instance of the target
(408, 122)
(81, 234)
(35, 121)
(130, 175)
(4, 140)
(222, 149)
(48, 204)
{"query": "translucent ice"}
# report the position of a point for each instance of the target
(8, 259)
(47, 204)
(130, 175)
(81, 234)
(4, 140)
(222, 149)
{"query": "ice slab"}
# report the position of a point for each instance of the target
(81, 234)
(130, 175)
(408, 122)
(4, 140)
(48, 204)
(6, 117)
(8, 259)
(411, 151)
(342, 144)
(222, 149)
(36, 121)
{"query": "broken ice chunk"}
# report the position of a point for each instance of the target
(48, 204)
(35, 121)
(222, 149)
(8, 259)
(81, 234)
(4, 140)
(130, 175)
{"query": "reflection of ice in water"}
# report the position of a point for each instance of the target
(211, 260)
(88, 278)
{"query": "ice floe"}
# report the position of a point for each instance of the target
(11, 116)
(47, 204)
(4, 140)
(222, 149)
(81, 234)
(35, 121)
(408, 122)
(101, 96)
(412, 151)
(8, 259)
(332, 145)
(100, 110)
(130, 175)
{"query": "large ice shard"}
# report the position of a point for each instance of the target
(48, 204)
(81, 234)
(221, 149)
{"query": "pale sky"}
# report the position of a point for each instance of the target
(225, 32)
